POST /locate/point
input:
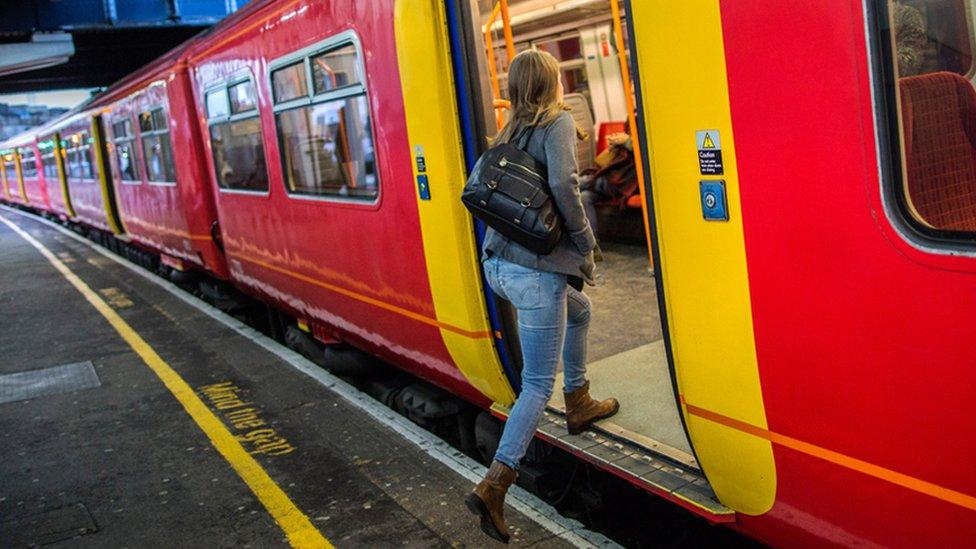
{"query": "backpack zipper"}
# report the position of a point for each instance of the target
(505, 162)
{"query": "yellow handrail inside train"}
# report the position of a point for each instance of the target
(507, 30)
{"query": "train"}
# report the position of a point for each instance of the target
(786, 301)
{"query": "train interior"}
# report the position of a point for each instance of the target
(626, 350)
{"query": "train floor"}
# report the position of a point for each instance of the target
(626, 354)
(625, 313)
(133, 417)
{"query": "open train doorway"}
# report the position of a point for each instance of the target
(626, 351)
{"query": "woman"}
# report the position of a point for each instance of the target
(553, 316)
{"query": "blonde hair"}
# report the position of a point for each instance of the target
(533, 88)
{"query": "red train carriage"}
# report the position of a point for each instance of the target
(31, 174)
(160, 183)
(856, 183)
(303, 121)
(52, 164)
(803, 353)
(12, 189)
(89, 185)
(28, 185)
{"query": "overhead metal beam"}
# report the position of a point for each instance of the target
(44, 50)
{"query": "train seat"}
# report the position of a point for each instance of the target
(607, 128)
(579, 107)
(939, 117)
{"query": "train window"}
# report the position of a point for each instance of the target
(10, 169)
(79, 157)
(290, 82)
(50, 168)
(123, 142)
(335, 69)
(146, 122)
(326, 142)
(328, 150)
(28, 164)
(236, 140)
(239, 155)
(159, 119)
(242, 97)
(48, 159)
(217, 103)
(931, 55)
(157, 151)
(935, 35)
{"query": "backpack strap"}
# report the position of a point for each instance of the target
(522, 137)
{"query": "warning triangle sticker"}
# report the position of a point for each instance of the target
(708, 143)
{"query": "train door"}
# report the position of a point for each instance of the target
(11, 181)
(3, 175)
(627, 356)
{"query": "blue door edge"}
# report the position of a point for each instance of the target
(469, 141)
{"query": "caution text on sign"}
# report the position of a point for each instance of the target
(709, 152)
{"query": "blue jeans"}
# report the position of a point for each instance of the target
(553, 318)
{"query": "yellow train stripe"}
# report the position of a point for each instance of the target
(59, 157)
(680, 54)
(364, 298)
(112, 216)
(296, 525)
(160, 229)
(20, 177)
(3, 178)
(450, 251)
(905, 481)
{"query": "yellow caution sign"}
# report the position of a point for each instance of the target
(709, 152)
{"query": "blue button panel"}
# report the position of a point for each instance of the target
(713, 203)
(423, 187)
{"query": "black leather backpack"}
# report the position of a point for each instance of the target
(509, 190)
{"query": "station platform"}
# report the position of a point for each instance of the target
(134, 415)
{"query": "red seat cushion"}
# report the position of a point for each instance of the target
(939, 117)
(606, 129)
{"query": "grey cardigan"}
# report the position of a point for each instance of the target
(555, 146)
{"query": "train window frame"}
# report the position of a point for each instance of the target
(228, 116)
(155, 132)
(33, 160)
(889, 138)
(43, 146)
(133, 142)
(82, 146)
(9, 156)
(311, 98)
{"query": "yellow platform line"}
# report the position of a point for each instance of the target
(296, 525)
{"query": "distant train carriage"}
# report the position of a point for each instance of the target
(160, 183)
(90, 190)
(54, 173)
(784, 302)
(28, 185)
(307, 145)
(12, 188)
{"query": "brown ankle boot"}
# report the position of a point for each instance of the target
(581, 410)
(488, 500)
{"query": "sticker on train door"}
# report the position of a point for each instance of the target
(709, 152)
(423, 185)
